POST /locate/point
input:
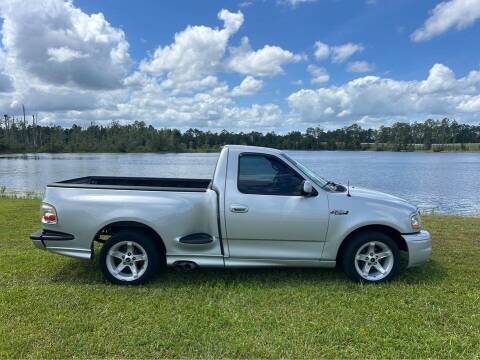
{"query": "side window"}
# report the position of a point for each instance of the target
(267, 175)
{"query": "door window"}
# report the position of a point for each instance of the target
(267, 175)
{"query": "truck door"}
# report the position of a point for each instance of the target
(266, 214)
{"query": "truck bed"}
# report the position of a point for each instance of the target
(135, 183)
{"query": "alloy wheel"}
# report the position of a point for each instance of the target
(374, 260)
(127, 260)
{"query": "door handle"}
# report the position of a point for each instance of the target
(238, 208)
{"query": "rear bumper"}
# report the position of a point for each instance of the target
(46, 240)
(41, 235)
(419, 247)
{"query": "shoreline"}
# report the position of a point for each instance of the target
(208, 151)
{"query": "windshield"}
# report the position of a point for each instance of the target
(314, 177)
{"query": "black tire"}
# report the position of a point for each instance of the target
(360, 240)
(152, 250)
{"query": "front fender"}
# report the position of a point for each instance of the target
(361, 212)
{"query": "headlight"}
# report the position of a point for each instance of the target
(48, 214)
(416, 221)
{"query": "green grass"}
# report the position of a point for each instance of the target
(57, 307)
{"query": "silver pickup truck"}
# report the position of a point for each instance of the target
(262, 208)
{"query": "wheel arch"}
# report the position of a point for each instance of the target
(117, 226)
(393, 233)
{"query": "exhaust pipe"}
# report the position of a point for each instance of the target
(184, 266)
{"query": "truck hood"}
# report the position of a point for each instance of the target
(369, 194)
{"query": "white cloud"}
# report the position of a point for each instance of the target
(212, 108)
(470, 105)
(337, 54)
(6, 83)
(440, 94)
(72, 67)
(267, 61)
(233, 21)
(441, 79)
(57, 100)
(343, 52)
(196, 53)
(190, 86)
(457, 14)
(248, 86)
(268, 116)
(63, 54)
(86, 51)
(369, 100)
(360, 67)
(322, 50)
(319, 74)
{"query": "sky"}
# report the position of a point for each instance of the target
(264, 65)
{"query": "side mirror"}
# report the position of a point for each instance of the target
(307, 188)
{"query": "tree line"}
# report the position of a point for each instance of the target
(436, 135)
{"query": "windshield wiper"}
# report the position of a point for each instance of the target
(331, 183)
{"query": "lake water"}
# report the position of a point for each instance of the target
(446, 182)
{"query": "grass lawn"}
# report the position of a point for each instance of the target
(57, 307)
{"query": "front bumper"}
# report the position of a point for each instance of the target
(419, 247)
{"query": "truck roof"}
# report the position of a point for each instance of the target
(253, 148)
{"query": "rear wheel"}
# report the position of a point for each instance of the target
(372, 257)
(129, 258)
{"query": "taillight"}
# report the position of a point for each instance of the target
(48, 214)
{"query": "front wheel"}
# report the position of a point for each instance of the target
(129, 258)
(371, 257)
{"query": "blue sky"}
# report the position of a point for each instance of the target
(303, 63)
(383, 27)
